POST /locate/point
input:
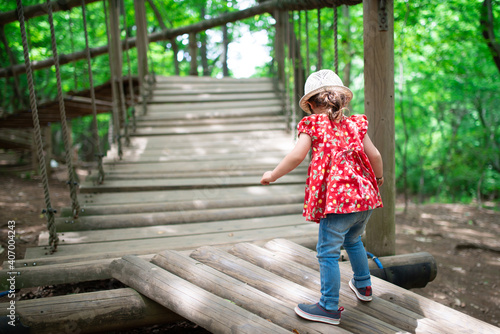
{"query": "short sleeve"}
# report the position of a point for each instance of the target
(361, 122)
(305, 126)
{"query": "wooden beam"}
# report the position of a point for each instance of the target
(170, 34)
(379, 108)
(41, 9)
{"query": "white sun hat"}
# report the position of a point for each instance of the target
(323, 80)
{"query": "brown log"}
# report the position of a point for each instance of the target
(93, 312)
(189, 301)
(307, 277)
(283, 289)
(243, 295)
(441, 314)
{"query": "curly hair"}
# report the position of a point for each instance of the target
(335, 102)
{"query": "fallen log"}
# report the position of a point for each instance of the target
(189, 301)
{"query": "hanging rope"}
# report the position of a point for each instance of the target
(308, 61)
(336, 39)
(116, 122)
(64, 126)
(97, 145)
(49, 211)
(122, 92)
(319, 41)
(130, 83)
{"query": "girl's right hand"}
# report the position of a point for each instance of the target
(267, 178)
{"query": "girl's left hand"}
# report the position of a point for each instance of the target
(267, 178)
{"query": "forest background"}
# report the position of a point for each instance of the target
(447, 77)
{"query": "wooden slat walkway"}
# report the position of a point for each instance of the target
(183, 220)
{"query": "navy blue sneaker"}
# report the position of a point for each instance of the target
(316, 313)
(364, 294)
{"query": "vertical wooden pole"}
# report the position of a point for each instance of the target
(279, 47)
(193, 52)
(115, 64)
(142, 43)
(379, 108)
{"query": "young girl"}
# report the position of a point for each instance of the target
(341, 189)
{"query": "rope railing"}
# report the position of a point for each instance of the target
(49, 211)
(95, 128)
(64, 126)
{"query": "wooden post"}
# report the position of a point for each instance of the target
(115, 64)
(279, 47)
(193, 53)
(142, 42)
(379, 108)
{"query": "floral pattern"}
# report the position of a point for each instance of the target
(340, 176)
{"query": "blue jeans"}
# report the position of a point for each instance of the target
(338, 230)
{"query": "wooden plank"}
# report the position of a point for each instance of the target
(240, 293)
(186, 99)
(194, 156)
(242, 193)
(211, 89)
(213, 109)
(107, 250)
(214, 128)
(200, 204)
(186, 79)
(177, 184)
(103, 311)
(211, 312)
(167, 231)
(283, 289)
(161, 122)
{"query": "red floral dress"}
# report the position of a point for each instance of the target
(340, 177)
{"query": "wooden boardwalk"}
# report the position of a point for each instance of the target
(183, 220)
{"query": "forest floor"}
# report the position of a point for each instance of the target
(463, 239)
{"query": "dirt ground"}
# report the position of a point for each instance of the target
(463, 239)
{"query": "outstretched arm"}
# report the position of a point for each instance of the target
(375, 159)
(290, 161)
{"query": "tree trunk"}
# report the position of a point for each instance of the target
(487, 27)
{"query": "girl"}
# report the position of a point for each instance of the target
(341, 189)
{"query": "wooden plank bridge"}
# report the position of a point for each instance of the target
(182, 220)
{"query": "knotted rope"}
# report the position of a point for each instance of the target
(95, 132)
(49, 212)
(66, 136)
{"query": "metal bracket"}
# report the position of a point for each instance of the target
(383, 24)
